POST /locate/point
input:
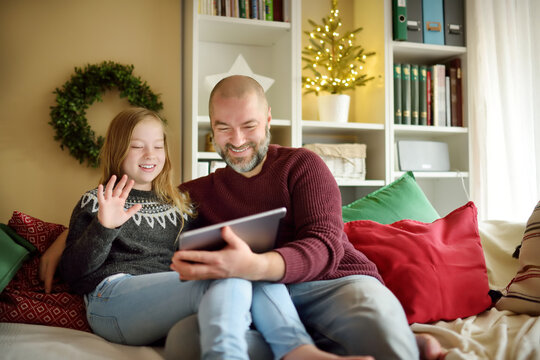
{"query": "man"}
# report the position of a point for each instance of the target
(337, 291)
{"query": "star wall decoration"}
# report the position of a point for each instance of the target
(240, 67)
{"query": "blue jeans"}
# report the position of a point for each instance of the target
(354, 315)
(276, 318)
(138, 310)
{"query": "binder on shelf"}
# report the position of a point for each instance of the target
(397, 93)
(406, 94)
(429, 98)
(454, 23)
(399, 19)
(433, 17)
(422, 95)
(438, 88)
(415, 100)
(414, 21)
(456, 96)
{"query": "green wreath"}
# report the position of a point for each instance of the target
(87, 85)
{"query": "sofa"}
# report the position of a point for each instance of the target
(459, 280)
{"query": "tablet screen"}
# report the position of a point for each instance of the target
(258, 231)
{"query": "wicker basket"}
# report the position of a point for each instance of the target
(345, 161)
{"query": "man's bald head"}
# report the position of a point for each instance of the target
(238, 86)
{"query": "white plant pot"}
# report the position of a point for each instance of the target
(334, 107)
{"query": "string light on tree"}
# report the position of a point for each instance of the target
(335, 61)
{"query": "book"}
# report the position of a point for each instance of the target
(422, 95)
(399, 19)
(456, 96)
(262, 10)
(254, 9)
(429, 99)
(406, 94)
(269, 10)
(286, 10)
(278, 10)
(438, 89)
(415, 100)
(397, 93)
(447, 102)
(242, 9)
(414, 21)
(433, 17)
(454, 23)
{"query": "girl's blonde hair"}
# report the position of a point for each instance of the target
(115, 149)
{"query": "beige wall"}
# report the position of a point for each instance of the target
(40, 44)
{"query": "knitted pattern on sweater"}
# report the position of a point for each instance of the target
(143, 244)
(311, 237)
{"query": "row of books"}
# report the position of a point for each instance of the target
(429, 95)
(269, 10)
(438, 22)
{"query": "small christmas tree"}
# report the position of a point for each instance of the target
(335, 60)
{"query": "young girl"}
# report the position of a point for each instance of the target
(121, 239)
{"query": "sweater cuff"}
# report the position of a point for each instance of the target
(295, 269)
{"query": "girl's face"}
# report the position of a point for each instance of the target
(146, 154)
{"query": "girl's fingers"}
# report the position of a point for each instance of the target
(127, 189)
(100, 196)
(120, 186)
(109, 187)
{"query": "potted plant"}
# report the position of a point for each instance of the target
(337, 65)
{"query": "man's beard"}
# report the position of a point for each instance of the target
(241, 165)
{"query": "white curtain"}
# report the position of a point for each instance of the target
(502, 71)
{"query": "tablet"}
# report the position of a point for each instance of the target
(258, 231)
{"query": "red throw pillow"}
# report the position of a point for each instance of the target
(436, 270)
(24, 299)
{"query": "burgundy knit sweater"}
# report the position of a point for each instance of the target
(310, 237)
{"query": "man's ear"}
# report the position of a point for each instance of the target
(269, 116)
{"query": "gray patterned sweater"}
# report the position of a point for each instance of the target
(143, 244)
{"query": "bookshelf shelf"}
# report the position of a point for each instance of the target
(206, 155)
(314, 124)
(424, 53)
(230, 30)
(355, 183)
(435, 174)
(418, 129)
(204, 121)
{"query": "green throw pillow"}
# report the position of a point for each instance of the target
(18, 238)
(402, 199)
(12, 256)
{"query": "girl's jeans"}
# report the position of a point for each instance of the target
(138, 310)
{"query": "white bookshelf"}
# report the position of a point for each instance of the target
(273, 49)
